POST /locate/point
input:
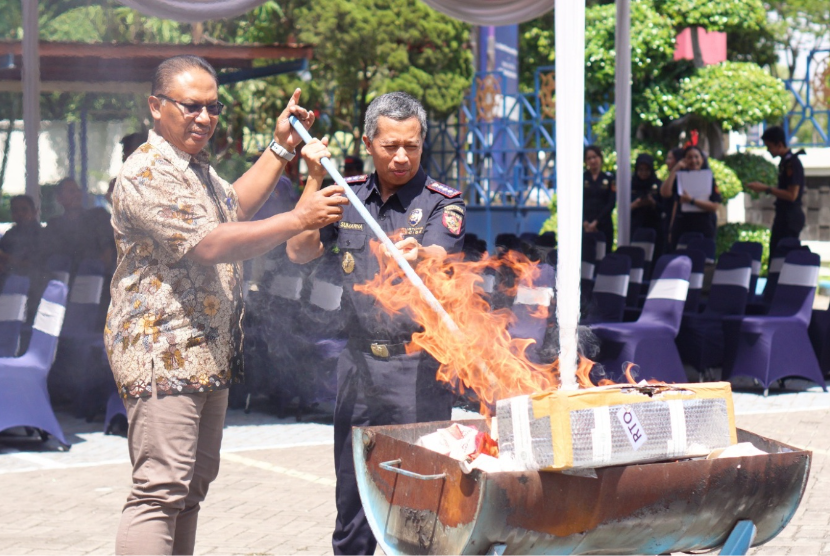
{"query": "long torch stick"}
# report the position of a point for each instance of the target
(378, 231)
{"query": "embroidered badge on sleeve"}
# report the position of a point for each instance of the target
(453, 218)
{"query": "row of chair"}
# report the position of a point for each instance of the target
(71, 318)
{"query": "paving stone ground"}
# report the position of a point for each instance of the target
(275, 491)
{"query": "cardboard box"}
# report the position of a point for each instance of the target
(615, 425)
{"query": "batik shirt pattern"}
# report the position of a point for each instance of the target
(172, 321)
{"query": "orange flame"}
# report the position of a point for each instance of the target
(481, 355)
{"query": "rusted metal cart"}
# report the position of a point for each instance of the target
(421, 502)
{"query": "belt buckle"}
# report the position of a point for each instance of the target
(380, 350)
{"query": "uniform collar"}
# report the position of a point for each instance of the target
(177, 157)
(787, 155)
(406, 193)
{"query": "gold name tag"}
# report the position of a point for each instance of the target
(413, 231)
(351, 226)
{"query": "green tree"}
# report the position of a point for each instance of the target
(368, 47)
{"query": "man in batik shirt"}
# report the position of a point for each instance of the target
(173, 332)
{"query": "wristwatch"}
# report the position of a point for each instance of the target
(280, 151)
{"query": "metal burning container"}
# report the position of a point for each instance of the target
(421, 502)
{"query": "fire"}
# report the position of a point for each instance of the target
(481, 355)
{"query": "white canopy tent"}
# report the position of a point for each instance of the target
(570, 110)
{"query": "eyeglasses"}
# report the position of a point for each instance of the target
(194, 109)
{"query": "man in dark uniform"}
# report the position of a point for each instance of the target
(378, 383)
(789, 214)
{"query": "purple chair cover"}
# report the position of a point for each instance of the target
(24, 398)
(776, 261)
(700, 341)
(777, 345)
(645, 238)
(589, 268)
(81, 368)
(755, 250)
(649, 342)
(602, 245)
(685, 238)
(59, 266)
(706, 245)
(12, 313)
(698, 259)
(610, 289)
(115, 406)
(635, 277)
(526, 307)
(820, 338)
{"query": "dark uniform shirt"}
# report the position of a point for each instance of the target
(790, 172)
(23, 244)
(703, 222)
(598, 197)
(432, 213)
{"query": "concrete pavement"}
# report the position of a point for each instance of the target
(275, 491)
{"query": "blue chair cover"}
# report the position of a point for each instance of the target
(649, 342)
(698, 259)
(526, 308)
(635, 277)
(755, 250)
(24, 398)
(12, 313)
(645, 238)
(777, 345)
(610, 289)
(685, 238)
(700, 341)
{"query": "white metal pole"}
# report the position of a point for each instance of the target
(569, 16)
(31, 96)
(622, 100)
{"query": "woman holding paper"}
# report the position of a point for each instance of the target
(599, 195)
(691, 183)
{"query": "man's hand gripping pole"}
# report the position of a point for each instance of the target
(378, 231)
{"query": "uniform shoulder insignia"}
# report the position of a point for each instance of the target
(354, 180)
(444, 190)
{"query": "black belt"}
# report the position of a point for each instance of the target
(380, 348)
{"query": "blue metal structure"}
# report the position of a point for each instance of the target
(499, 150)
(812, 101)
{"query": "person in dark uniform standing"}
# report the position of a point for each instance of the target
(789, 214)
(704, 220)
(378, 382)
(599, 195)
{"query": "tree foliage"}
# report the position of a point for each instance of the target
(369, 47)
(730, 16)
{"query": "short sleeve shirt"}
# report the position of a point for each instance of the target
(172, 322)
(790, 172)
(430, 212)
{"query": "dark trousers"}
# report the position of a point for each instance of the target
(785, 225)
(373, 391)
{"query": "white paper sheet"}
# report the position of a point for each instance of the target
(698, 184)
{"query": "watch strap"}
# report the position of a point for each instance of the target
(281, 151)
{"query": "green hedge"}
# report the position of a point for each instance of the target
(730, 233)
(752, 167)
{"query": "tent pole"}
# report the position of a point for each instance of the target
(622, 100)
(31, 96)
(569, 17)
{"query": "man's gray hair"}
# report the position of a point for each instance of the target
(397, 106)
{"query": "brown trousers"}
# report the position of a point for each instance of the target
(174, 448)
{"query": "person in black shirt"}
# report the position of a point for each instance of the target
(789, 214)
(599, 195)
(706, 221)
(20, 246)
(378, 382)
